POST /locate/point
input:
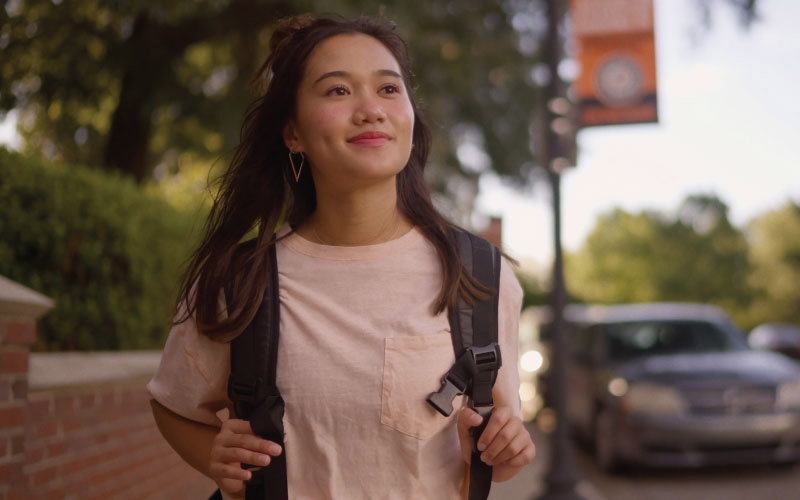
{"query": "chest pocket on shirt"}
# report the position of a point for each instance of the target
(413, 368)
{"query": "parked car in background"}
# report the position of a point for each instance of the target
(678, 385)
(780, 337)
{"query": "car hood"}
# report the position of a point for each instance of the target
(745, 366)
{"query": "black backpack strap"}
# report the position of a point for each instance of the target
(474, 334)
(486, 268)
(253, 390)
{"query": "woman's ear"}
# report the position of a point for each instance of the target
(290, 138)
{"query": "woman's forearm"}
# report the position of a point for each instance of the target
(190, 439)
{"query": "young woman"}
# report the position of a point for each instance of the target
(330, 170)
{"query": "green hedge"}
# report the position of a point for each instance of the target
(107, 253)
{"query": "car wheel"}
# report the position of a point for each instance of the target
(605, 453)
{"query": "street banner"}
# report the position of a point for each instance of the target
(616, 50)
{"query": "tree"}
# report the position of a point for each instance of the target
(747, 10)
(775, 260)
(697, 256)
(107, 83)
(152, 88)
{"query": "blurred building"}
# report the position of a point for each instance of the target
(494, 232)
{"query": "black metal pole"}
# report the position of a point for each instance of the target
(562, 476)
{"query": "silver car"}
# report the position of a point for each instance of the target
(678, 385)
(779, 337)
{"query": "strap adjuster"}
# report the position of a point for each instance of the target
(486, 362)
(486, 358)
(242, 391)
(243, 394)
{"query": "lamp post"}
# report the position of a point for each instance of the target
(562, 476)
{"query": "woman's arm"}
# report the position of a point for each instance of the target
(191, 440)
(216, 453)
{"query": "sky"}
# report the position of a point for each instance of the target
(729, 123)
(729, 112)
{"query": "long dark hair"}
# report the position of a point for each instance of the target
(258, 189)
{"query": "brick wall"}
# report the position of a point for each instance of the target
(79, 441)
(100, 443)
(16, 333)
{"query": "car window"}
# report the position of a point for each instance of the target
(647, 338)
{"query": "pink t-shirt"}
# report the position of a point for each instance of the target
(359, 353)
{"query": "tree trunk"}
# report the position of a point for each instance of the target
(131, 125)
(149, 52)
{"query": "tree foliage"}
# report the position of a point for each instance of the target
(154, 89)
(746, 10)
(107, 253)
(775, 265)
(695, 256)
(121, 84)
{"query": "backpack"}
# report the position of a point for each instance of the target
(252, 383)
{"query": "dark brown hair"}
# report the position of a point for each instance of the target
(259, 191)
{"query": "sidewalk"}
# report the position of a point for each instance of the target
(529, 483)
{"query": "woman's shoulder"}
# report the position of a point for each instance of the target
(510, 288)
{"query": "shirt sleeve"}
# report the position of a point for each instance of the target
(506, 387)
(192, 377)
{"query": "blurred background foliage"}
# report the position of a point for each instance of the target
(158, 90)
(128, 109)
(106, 252)
(775, 264)
(694, 255)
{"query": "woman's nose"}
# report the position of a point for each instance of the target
(369, 111)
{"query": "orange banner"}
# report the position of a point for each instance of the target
(616, 50)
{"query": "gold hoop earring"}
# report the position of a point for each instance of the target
(297, 170)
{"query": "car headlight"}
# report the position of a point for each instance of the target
(788, 396)
(654, 399)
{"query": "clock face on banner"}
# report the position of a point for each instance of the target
(619, 81)
(615, 46)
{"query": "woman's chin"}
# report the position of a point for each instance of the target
(372, 171)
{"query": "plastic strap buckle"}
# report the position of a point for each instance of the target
(442, 400)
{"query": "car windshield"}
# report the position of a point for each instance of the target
(648, 338)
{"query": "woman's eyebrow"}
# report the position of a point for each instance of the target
(345, 74)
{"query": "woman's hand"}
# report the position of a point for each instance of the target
(505, 443)
(236, 444)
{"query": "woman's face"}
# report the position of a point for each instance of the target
(353, 120)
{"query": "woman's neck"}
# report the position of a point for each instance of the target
(363, 217)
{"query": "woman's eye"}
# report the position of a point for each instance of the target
(391, 89)
(338, 91)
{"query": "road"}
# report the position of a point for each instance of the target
(721, 483)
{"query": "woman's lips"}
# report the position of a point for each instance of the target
(370, 142)
(370, 139)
